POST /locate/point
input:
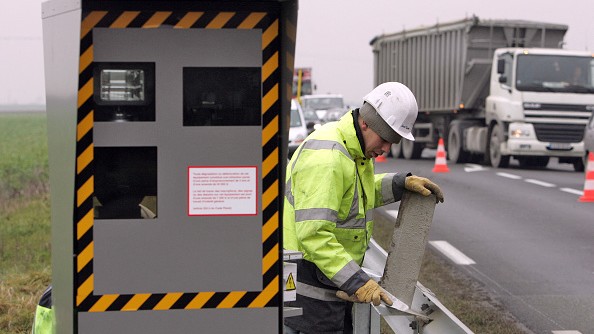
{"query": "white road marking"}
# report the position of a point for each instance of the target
(510, 176)
(451, 252)
(567, 332)
(393, 213)
(573, 191)
(540, 183)
(474, 168)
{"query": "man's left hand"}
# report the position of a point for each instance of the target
(423, 186)
(370, 292)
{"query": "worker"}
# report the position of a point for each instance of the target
(331, 191)
(43, 321)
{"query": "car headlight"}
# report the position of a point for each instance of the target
(519, 133)
(520, 130)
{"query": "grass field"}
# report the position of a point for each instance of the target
(24, 218)
(25, 240)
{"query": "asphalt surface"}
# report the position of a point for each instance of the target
(528, 238)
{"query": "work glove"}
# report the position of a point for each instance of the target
(423, 186)
(370, 292)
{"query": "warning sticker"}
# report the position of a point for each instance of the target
(290, 283)
(222, 191)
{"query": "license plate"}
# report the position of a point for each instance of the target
(560, 146)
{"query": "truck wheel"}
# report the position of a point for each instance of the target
(494, 151)
(396, 150)
(578, 165)
(411, 150)
(455, 149)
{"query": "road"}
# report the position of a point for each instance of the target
(522, 233)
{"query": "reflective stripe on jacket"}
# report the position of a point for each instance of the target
(330, 194)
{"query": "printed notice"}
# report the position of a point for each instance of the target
(222, 191)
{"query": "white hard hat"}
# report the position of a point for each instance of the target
(396, 105)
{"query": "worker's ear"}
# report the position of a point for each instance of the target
(363, 125)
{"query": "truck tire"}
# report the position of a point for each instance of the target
(579, 165)
(456, 152)
(493, 153)
(411, 150)
(396, 150)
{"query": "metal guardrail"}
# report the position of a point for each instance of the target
(416, 309)
(438, 319)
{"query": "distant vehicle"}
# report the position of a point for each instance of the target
(321, 103)
(312, 121)
(589, 139)
(500, 89)
(302, 83)
(298, 127)
(333, 115)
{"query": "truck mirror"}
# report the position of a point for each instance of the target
(500, 66)
(502, 79)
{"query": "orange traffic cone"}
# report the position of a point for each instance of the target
(440, 159)
(589, 183)
(380, 158)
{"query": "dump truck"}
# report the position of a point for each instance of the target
(492, 89)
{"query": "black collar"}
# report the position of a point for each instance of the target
(358, 130)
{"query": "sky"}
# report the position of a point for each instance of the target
(332, 37)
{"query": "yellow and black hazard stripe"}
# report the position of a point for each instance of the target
(267, 20)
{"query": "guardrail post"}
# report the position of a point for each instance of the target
(400, 266)
(361, 318)
(407, 248)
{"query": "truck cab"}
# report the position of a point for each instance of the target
(538, 106)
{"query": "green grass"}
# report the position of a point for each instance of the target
(23, 157)
(24, 218)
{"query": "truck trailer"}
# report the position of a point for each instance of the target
(492, 89)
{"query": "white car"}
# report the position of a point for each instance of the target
(298, 130)
(322, 103)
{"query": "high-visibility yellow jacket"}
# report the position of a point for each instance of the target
(43, 322)
(331, 191)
